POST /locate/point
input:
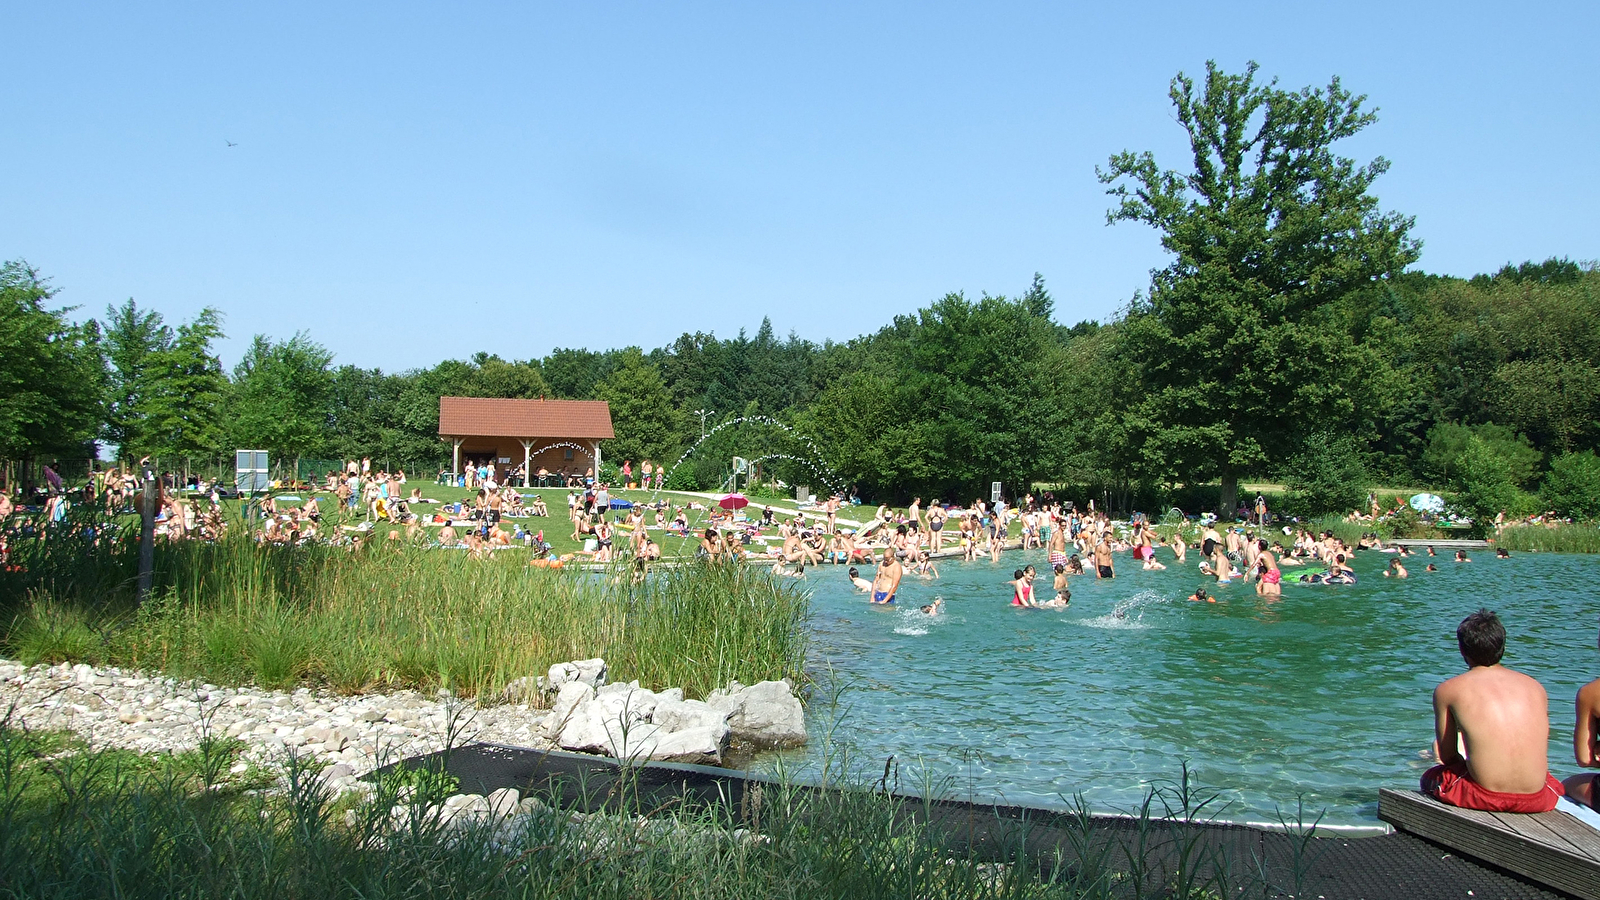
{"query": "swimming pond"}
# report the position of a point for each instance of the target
(1324, 692)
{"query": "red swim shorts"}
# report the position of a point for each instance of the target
(1452, 785)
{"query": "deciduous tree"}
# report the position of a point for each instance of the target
(1234, 356)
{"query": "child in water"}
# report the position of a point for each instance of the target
(1021, 589)
(934, 608)
(861, 584)
(1063, 596)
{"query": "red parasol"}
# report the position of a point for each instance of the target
(733, 501)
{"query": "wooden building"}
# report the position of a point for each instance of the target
(561, 436)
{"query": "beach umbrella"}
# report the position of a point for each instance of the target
(1428, 503)
(733, 501)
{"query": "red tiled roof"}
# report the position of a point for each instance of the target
(494, 417)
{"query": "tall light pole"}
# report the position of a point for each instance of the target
(702, 413)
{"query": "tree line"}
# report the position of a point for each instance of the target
(1290, 337)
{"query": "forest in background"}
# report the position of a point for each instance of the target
(1289, 338)
(1489, 382)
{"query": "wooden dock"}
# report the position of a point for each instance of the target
(1445, 544)
(1553, 848)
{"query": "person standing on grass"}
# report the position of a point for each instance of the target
(627, 474)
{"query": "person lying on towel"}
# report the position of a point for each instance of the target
(1491, 729)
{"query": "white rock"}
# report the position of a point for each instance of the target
(589, 671)
(677, 714)
(765, 715)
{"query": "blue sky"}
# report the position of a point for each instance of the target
(416, 182)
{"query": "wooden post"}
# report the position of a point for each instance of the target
(148, 502)
(455, 456)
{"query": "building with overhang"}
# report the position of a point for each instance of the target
(560, 436)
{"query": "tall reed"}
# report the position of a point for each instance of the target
(391, 616)
(1560, 539)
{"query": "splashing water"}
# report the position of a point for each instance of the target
(1128, 613)
(816, 464)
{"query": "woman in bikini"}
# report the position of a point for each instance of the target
(936, 517)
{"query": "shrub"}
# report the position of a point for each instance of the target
(1328, 475)
(1572, 487)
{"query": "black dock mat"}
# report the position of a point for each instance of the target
(1389, 867)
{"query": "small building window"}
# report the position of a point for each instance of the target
(569, 452)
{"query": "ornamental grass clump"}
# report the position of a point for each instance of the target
(391, 615)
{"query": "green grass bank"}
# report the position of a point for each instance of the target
(389, 616)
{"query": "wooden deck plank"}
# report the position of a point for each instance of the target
(1582, 836)
(1526, 849)
(1538, 828)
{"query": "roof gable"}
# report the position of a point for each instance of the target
(497, 417)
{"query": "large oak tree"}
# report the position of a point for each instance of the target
(1237, 354)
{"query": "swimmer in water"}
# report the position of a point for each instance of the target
(1200, 596)
(1432, 567)
(1502, 553)
(1461, 556)
(1063, 595)
(1021, 589)
(933, 608)
(861, 584)
(1395, 570)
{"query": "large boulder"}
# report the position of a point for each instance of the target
(675, 714)
(764, 715)
(627, 722)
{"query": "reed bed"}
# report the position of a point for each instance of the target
(1560, 539)
(391, 616)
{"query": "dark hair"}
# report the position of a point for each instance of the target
(1482, 638)
(854, 572)
(1018, 574)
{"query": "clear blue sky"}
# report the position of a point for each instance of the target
(414, 182)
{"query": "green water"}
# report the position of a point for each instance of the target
(1324, 692)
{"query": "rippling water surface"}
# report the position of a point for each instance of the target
(1324, 692)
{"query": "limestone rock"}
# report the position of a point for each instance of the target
(764, 715)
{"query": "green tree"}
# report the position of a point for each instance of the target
(281, 397)
(1236, 355)
(958, 395)
(164, 388)
(52, 373)
(647, 424)
(1327, 475)
(1572, 488)
(131, 338)
(1448, 442)
(183, 404)
(1487, 487)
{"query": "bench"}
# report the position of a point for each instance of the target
(1551, 848)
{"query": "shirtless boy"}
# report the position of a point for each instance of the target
(861, 584)
(1491, 727)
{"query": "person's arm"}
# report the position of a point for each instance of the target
(1446, 731)
(1584, 739)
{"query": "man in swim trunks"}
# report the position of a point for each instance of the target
(1102, 559)
(1491, 728)
(887, 581)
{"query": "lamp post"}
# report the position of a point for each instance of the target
(702, 413)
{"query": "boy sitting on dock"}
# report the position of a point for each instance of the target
(1586, 746)
(1491, 728)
